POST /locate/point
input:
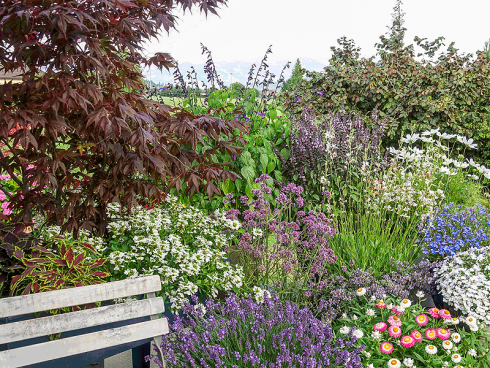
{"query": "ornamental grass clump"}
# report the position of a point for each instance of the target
(464, 283)
(244, 333)
(455, 229)
(284, 248)
(399, 332)
(181, 244)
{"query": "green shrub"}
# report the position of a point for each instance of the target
(451, 92)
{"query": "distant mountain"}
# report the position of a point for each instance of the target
(239, 69)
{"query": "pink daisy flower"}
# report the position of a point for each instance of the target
(386, 347)
(430, 333)
(434, 313)
(395, 331)
(417, 336)
(422, 319)
(407, 341)
(443, 333)
(444, 314)
(394, 321)
(380, 305)
(380, 326)
(396, 311)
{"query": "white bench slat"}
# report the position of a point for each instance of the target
(81, 344)
(23, 330)
(32, 303)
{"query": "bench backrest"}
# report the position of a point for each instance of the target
(54, 324)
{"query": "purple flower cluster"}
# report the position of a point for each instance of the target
(243, 333)
(335, 292)
(302, 241)
(342, 141)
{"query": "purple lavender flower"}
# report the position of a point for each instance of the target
(269, 334)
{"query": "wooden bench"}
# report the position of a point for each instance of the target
(151, 307)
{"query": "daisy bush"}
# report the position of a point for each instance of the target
(455, 229)
(246, 333)
(464, 282)
(443, 157)
(400, 333)
(182, 245)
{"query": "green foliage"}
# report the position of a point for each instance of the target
(60, 264)
(295, 78)
(451, 92)
(263, 131)
(370, 240)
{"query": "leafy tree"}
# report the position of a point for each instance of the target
(295, 78)
(237, 88)
(85, 133)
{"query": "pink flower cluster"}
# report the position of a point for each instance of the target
(415, 336)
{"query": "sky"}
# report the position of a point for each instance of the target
(308, 28)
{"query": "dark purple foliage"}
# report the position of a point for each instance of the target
(242, 333)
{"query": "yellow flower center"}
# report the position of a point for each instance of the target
(456, 336)
(393, 362)
(446, 312)
(359, 290)
(407, 339)
(447, 343)
(471, 319)
(455, 319)
(456, 356)
(436, 310)
(395, 318)
(431, 333)
(431, 347)
(387, 346)
(395, 329)
(417, 335)
(443, 331)
(405, 301)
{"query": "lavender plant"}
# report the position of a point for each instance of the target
(243, 333)
(282, 248)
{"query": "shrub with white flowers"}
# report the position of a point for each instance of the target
(464, 282)
(181, 244)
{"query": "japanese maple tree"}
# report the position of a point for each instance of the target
(79, 131)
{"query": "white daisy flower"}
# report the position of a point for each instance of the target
(431, 349)
(472, 352)
(456, 337)
(420, 294)
(361, 292)
(456, 358)
(394, 363)
(448, 345)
